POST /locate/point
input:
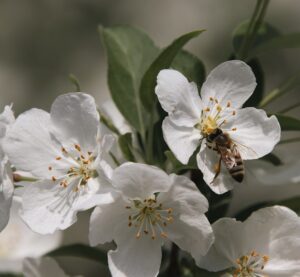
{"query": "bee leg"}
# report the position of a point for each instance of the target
(217, 170)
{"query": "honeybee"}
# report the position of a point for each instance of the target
(229, 154)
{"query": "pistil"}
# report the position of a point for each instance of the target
(149, 217)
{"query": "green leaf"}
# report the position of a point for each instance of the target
(164, 60)
(285, 87)
(125, 143)
(277, 43)
(258, 93)
(204, 273)
(130, 53)
(80, 251)
(108, 123)
(273, 159)
(177, 165)
(190, 66)
(264, 33)
(288, 123)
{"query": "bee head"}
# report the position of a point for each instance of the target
(212, 136)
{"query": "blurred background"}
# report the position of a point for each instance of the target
(42, 42)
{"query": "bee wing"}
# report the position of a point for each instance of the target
(243, 148)
(227, 156)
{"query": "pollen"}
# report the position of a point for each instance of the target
(251, 265)
(82, 168)
(77, 147)
(149, 217)
(213, 116)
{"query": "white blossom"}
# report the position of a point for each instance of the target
(265, 183)
(17, 242)
(153, 207)
(65, 151)
(266, 244)
(192, 119)
(6, 184)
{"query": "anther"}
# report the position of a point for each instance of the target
(163, 235)
(77, 147)
(234, 113)
(207, 109)
(233, 129)
(53, 178)
(219, 108)
(50, 168)
(211, 99)
(58, 158)
(64, 150)
(228, 104)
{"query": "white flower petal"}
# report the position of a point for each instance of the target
(47, 206)
(285, 260)
(75, 119)
(182, 140)
(6, 191)
(256, 134)
(7, 116)
(264, 183)
(18, 242)
(97, 191)
(231, 81)
(29, 145)
(234, 239)
(190, 229)
(207, 160)
(135, 257)
(139, 180)
(104, 221)
(42, 267)
(178, 97)
(111, 111)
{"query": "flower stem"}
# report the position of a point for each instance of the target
(254, 25)
(287, 86)
(296, 105)
(285, 141)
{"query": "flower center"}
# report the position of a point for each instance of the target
(83, 167)
(213, 116)
(148, 216)
(251, 265)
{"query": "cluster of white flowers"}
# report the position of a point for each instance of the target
(140, 207)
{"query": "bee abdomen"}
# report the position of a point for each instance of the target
(238, 172)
